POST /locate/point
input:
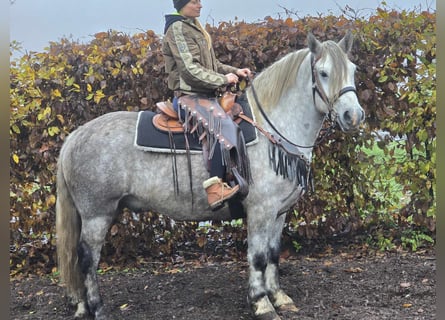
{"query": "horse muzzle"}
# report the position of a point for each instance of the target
(350, 119)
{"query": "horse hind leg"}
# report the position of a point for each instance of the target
(91, 241)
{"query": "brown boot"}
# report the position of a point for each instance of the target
(218, 191)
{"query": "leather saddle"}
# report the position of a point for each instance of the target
(167, 119)
(211, 119)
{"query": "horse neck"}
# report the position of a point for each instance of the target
(295, 114)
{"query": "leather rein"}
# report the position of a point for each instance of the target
(317, 88)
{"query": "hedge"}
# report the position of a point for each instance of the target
(361, 182)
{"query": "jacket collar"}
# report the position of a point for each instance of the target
(172, 18)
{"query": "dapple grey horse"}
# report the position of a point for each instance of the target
(100, 172)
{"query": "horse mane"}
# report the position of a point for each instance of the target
(280, 76)
(277, 78)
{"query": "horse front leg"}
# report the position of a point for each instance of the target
(258, 297)
(280, 300)
(260, 257)
(265, 294)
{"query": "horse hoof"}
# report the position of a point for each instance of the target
(283, 303)
(288, 308)
(264, 310)
(81, 311)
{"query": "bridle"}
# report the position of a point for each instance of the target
(317, 88)
(289, 153)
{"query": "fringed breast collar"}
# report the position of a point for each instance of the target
(285, 156)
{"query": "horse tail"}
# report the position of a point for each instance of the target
(68, 225)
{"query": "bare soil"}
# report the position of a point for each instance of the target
(345, 284)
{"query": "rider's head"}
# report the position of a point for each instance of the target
(188, 8)
(179, 4)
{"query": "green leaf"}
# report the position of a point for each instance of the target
(16, 129)
(53, 131)
(383, 78)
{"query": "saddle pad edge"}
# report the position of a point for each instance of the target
(154, 149)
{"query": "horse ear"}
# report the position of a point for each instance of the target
(346, 43)
(313, 44)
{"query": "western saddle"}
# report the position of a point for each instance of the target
(168, 120)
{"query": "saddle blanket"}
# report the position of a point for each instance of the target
(149, 138)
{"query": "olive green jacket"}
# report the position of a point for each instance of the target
(191, 66)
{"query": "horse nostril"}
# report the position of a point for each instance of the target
(353, 117)
(347, 117)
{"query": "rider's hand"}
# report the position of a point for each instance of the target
(231, 78)
(245, 72)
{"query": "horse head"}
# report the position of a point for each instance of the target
(333, 84)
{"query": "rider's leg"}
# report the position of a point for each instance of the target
(217, 190)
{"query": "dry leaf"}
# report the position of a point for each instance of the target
(125, 306)
(405, 284)
(114, 230)
(354, 270)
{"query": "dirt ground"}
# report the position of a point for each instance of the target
(345, 284)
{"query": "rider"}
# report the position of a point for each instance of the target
(192, 68)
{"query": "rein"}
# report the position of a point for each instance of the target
(327, 131)
(317, 88)
(284, 153)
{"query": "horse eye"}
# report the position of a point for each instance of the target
(323, 74)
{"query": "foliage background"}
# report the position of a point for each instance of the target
(382, 188)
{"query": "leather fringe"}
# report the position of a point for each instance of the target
(207, 120)
(291, 166)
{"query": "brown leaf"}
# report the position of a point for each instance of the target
(114, 230)
(365, 95)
